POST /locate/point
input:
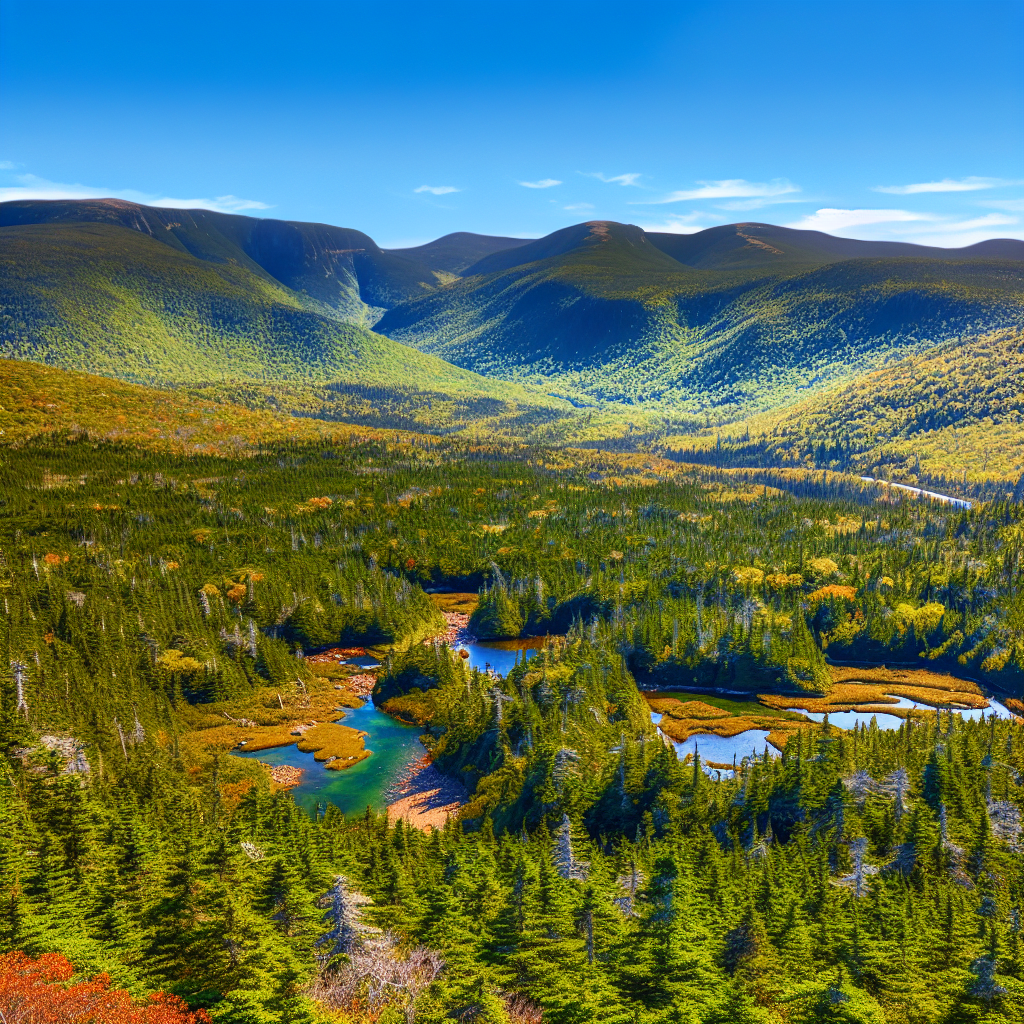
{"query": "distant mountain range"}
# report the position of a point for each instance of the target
(191, 297)
(720, 323)
(700, 329)
(454, 253)
(763, 245)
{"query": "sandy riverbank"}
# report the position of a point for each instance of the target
(426, 797)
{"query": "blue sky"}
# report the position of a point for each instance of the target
(410, 120)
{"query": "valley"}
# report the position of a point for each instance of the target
(565, 614)
(511, 514)
(600, 334)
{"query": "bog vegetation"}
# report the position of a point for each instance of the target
(160, 605)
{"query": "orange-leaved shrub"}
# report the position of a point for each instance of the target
(37, 992)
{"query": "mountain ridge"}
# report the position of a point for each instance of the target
(108, 300)
(765, 244)
(749, 317)
(454, 252)
(341, 268)
(600, 311)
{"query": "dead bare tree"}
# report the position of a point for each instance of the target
(378, 974)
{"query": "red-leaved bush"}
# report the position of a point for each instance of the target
(37, 992)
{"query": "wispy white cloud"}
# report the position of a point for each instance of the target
(972, 184)
(990, 220)
(960, 239)
(837, 220)
(954, 234)
(437, 190)
(917, 227)
(618, 179)
(1011, 205)
(31, 187)
(226, 204)
(6, 165)
(579, 206)
(742, 205)
(543, 183)
(731, 188)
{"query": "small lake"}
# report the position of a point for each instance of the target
(363, 662)
(721, 749)
(500, 655)
(850, 719)
(394, 745)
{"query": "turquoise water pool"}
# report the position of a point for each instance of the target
(395, 746)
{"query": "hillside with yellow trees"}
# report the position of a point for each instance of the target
(952, 417)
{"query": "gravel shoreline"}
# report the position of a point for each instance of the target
(426, 797)
(457, 630)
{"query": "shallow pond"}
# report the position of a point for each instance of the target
(500, 655)
(363, 662)
(849, 719)
(394, 745)
(721, 749)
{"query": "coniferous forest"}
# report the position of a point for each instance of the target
(165, 613)
(511, 513)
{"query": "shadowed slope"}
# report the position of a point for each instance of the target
(599, 312)
(117, 302)
(343, 269)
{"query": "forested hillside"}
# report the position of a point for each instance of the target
(118, 303)
(598, 312)
(599, 334)
(341, 268)
(950, 418)
(162, 610)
